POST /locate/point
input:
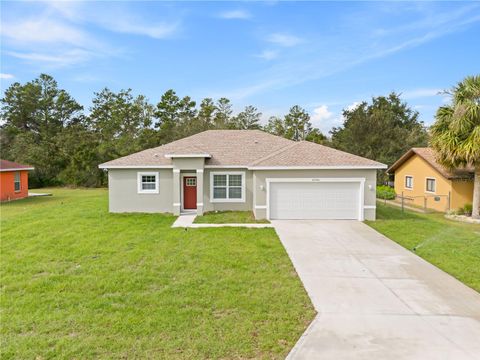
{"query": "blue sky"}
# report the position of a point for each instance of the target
(324, 56)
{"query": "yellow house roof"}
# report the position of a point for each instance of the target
(428, 154)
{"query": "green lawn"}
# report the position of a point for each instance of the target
(78, 283)
(228, 217)
(452, 246)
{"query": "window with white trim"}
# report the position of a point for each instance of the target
(409, 182)
(430, 185)
(191, 181)
(147, 182)
(227, 186)
(16, 182)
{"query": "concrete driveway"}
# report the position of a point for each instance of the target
(375, 299)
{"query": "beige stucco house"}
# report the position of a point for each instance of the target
(422, 180)
(274, 177)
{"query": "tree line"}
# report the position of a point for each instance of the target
(44, 126)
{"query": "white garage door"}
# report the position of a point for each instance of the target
(314, 200)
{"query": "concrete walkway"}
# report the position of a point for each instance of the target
(375, 299)
(32, 194)
(186, 221)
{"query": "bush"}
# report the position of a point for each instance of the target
(385, 192)
(467, 209)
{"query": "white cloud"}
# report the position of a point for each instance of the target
(51, 42)
(235, 14)
(352, 106)
(324, 119)
(321, 113)
(113, 18)
(420, 93)
(58, 35)
(346, 49)
(6, 76)
(268, 55)
(285, 40)
(71, 10)
(61, 59)
(41, 30)
(156, 31)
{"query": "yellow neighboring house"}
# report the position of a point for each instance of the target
(425, 182)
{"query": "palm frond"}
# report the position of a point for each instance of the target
(456, 131)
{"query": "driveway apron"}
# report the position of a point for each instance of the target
(375, 299)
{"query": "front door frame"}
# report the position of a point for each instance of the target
(182, 175)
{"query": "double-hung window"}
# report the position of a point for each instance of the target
(227, 186)
(147, 182)
(408, 182)
(430, 185)
(16, 182)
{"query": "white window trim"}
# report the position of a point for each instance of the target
(227, 200)
(191, 178)
(19, 181)
(405, 183)
(434, 179)
(139, 182)
(361, 193)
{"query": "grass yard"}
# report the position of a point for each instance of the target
(79, 283)
(228, 217)
(452, 246)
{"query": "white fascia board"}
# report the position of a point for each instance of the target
(17, 169)
(226, 166)
(170, 156)
(344, 167)
(101, 166)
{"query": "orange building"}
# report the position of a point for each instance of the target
(13, 180)
(426, 183)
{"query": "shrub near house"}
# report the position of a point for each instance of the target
(385, 192)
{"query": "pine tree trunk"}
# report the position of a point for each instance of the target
(476, 194)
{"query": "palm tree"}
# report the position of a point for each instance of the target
(456, 132)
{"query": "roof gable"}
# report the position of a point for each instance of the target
(428, 155)
(308, 154)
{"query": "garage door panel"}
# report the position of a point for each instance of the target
(314, 200)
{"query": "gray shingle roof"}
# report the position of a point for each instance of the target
(249, 148)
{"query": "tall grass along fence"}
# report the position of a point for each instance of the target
(420, 202)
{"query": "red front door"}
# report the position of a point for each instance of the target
(189, 192)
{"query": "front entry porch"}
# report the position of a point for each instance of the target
(188, 191)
